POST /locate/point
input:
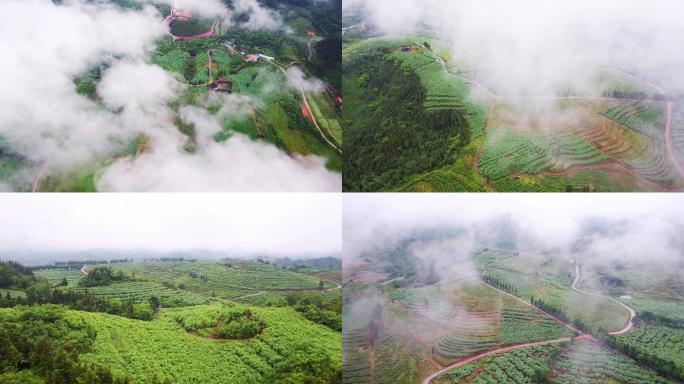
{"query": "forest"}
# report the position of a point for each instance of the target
(385, 110)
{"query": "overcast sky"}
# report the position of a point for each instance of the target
(650, 225)
(278, 224)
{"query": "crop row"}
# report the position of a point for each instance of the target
(645, 117)
(663, 342)
(579, 362)
(141, 349)
(588, 362)
(142, 291)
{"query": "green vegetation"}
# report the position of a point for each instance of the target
(391, 96)
(187, 335)
(657, 346)
(100, 276)
(41, 345)
(143, 291)
(545, 280)
(561, 363)
(397, 140)
(269, 111)
(193, 26)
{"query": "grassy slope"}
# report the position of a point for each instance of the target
(549, 278)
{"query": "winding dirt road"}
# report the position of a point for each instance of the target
(308, 108)
(632, 313)
(36, 182)
(83, 270)
(472, 359)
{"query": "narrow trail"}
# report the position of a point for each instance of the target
(632, 313)
(674, 158)
(36, 182)
(250, 295)
(211, 77)
(337, 285)
(83, 270)
(497, 351)
(308, 108)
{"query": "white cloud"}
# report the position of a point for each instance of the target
(239, 164)
(260, 17)
(297, 80)
(44, 119)
(526, 46)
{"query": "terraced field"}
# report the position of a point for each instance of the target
(55, 276)
(142, 291)
(673, 310)
(356, 343)
(655, 341)
(579, 362)
(12, 293)
(615, 137)
(678, 128)
(549, 278)
(421, 327)
(229, 279)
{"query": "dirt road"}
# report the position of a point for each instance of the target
(83, 270)
(308, 108)
(468, 360)
(497, 351)
(632, 313)
(36, 182)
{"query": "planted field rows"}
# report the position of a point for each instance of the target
(471, 318)
(549, 278)
(229, 279)
(55, 276)
(142, 291)
(356, 343)
(576, 134)
(678, 129)
(138, 349)
(579, 362)
(657, 341)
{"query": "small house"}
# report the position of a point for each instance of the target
(267, 58)
(222, 85)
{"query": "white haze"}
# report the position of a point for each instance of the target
(274, 224)
(296, 79)
(524, 47)
(650, 225)
(45, 121)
